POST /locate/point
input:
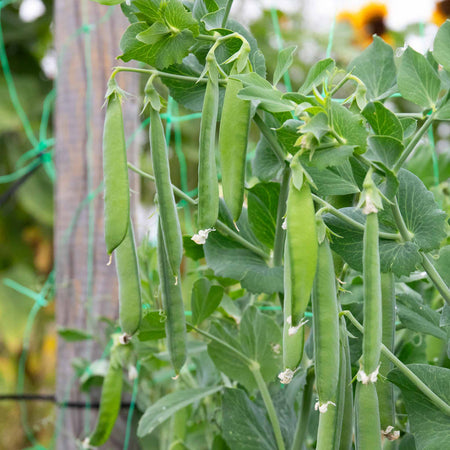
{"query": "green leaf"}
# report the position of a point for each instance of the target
(265, 164)
(331, 182)
(152, 326)
(348, 126)
(288, 134)
(213, 20)
(385, 149)
(153, 34)
(191, 249)
(330, 157)
(383, 121)
(74, 335)
(284, 61)
(262, 202)
(443, 264)
(316, 75)
(109, 2)
(441, 50)
(167, 406)
(409, 126)
(443, 112)
(269, 99)
(229, 259)
(245, 425)
(258, 339)
(417, 316)
(205, 299)
(430, 427)
(375, 67)
(418, 82)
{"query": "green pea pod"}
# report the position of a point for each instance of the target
(292, 342)
(385, 389)
(208, 184)
(115, 174)
(109, 2)
(172, 300)
(372, 297)
(302, 247)
(233, 138)
(166, 200)
(129, 284)
(326, 347)
(368, 433)
(109, 404)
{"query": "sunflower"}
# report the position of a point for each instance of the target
(441, 12)
(369, 20)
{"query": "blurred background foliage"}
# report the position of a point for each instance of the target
(26, 209)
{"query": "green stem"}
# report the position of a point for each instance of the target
(305, 412)
(238, 238)
(339, 85)
(435, 277)
(206, 37)
(270, 137)
(211, 337)
(162, 74)
(269, 404)
(414, 141)
(219, 224)
(280, 234)
(354, 223)
(421, 386)
(405, 233)
(227, 13)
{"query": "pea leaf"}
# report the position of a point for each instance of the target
(245, 425)
(316, 75)
(265, 164)
(152, 326)
(228, 259)
(383, 121)
(441, 51)
(348, 126)
(74, 335)
(258, 337)
(443, 264)
(288, 134)
(262, 202)
(167, 406)
(375, 67)
(205, 299)
(418, 82)
(418, 316)
(385, 149)
(269, 99)
(284, 61)
(430, 427)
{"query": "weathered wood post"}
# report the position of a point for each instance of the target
(86, 37)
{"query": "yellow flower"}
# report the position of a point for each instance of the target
(441, 12)
(366, 22)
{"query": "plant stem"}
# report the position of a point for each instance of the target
(162, 74)
(269, 405)
(339, 85)
(332, 210)
(435, 277)
(206, 37)
(227, 13)
(427, 265)
(219, 224)
(178, 192)
(238, 238)
(412, 145)
(240, 355)
(421, 386)
(303, 418)
(280, 234)
(270, 137)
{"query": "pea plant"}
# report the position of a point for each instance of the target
(315, 310)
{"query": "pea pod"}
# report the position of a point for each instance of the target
(171, 230)
(109, 403)
(302, 248)
(385, 389)
(233, 138)
(326, 346)
(372, 297)
(115, 174)
(129, 284)
(368, 435)
(208, 184)
(172, 300)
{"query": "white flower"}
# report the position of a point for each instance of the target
(293, 330)
(323, 408)
(124, 339)
(369, 207)
(390, 433)
(202, 235)
(132, 372)
(284, 225)
(367, 378)
(286, 376)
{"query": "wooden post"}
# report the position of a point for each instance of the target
(87, 37)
